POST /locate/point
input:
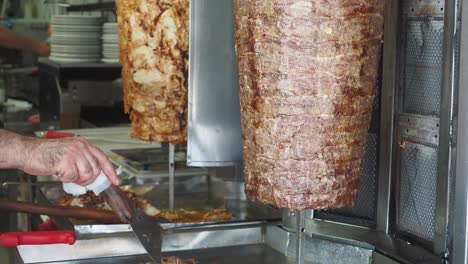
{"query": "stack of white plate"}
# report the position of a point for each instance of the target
(110, 43)
(76, 38)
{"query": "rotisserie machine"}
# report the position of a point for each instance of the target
(412, 204)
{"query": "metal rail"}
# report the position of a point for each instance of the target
(300, 232)
(171, 175)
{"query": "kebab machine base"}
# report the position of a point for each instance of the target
(230, 243)
(256, 234)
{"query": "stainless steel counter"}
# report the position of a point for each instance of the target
(263, 243)
(250, 254)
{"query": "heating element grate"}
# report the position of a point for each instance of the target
(417, 190)
(423, 66)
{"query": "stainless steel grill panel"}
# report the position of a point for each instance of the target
(417, 191)
(363, 213)
(423, 66)
(365, 202)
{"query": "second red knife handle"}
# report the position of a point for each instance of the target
(56, 134)
(15, 239)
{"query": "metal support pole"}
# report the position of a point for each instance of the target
(300, 229)
(171, 175)
(387, 126)
(447, 149)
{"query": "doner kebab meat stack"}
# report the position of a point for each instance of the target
(308, 75)
(154, 54)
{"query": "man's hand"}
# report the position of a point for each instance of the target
(71, 159)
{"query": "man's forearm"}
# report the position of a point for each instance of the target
(10, 39)
(13, 149)
(71, 159)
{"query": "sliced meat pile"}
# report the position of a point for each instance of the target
(191, 216)
(90, 200)
(308, 72)
(154, 38)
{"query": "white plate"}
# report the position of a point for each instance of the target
(110, 46)
(76, 20)
(73, 60)
(111, 54)
(67, 28)
(70, 55)
(110, 61)
(75, 49)
(82, 17)
(111, 57)
(110, 31)
(111, 24)
(110, 38)
(74, 40)
(81, 35)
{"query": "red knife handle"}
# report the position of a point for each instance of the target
(15, 239)
(56, 134)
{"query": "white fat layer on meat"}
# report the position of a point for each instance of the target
(137, 33)
(144, 76)
(167, 22)
(142, 56)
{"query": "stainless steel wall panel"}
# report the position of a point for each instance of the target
(214, 129)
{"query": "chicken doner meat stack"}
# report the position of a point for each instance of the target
(308, 74)
(154, 55)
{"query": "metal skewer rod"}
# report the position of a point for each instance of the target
(300, 229)
(171, 175)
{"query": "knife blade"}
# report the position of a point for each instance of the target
(147, 229)
(149, 232)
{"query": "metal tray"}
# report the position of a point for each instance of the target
(152, 164)
(191, 193)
